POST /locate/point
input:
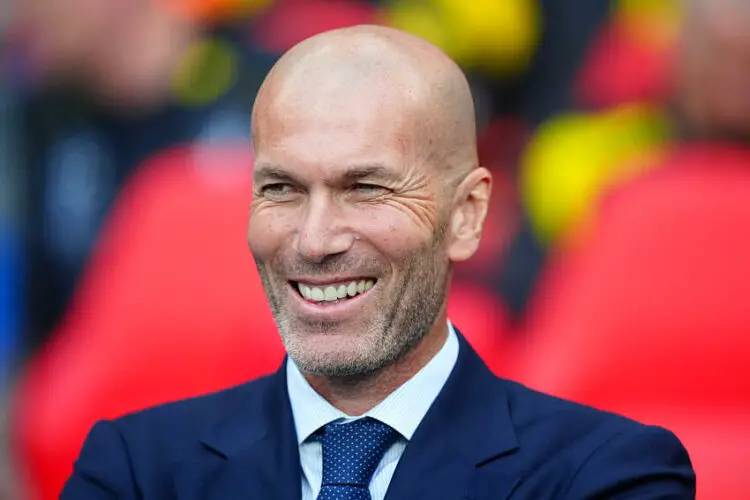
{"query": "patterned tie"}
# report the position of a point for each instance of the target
(351, 453)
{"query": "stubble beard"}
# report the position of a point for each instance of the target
(397, 327)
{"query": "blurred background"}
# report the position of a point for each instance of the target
(615, 268)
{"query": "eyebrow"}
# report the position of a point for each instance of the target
(266, 173)
(359, 172)
(270, 172)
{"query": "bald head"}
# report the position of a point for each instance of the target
(408, 82)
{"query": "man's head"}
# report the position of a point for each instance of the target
(366, 191)
(714, 69)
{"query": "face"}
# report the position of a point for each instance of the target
(349, 229)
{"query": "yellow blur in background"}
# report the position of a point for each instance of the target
(498, 37)
(575, 157)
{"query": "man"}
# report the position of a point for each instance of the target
(366, 192)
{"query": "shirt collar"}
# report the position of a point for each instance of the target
(403, 409)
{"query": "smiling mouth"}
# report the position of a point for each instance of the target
(333, 293)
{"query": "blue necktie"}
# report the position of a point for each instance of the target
(351, 453)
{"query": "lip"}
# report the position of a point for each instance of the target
(328, 310)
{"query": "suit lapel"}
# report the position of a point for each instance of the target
(249, 455)
(467, 427)
(252, 452)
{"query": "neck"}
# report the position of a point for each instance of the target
(357, 395)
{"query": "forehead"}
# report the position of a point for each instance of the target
(327, 130)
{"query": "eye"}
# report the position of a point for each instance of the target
(369, 189)
(277, 190)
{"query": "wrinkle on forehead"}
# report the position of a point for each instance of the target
(344, 70)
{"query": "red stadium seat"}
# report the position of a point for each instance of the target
(651, 316)
(622, 68)
(170, 307)
(290, 22)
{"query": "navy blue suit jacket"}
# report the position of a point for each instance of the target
(484, 438)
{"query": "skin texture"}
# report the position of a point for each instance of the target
(366, 167)
(713, 70)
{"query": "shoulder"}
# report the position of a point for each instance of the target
(173, 431)
(138, 450)
(598, 450)
(537, 415)
(190, 417)
(533, 409)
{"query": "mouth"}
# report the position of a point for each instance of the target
(328, 294)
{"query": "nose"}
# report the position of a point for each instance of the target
(323, 230)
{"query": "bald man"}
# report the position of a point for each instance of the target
(367, 190)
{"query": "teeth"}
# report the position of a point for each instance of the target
(317, 294)
(334, 292)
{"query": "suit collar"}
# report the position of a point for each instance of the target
(468, 426)
(255, 444)
(473, 400)
(475, 403)
(252, 417)
(403, 409)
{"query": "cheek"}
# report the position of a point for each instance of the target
(394, 233)
(266, 232)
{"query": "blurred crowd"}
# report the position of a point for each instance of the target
(573, 99)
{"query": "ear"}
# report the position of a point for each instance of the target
(470, 207)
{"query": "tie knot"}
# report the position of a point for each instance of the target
(352, 451)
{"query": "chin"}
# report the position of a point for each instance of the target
(335, 355)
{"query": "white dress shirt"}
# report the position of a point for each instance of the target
(403, 410)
